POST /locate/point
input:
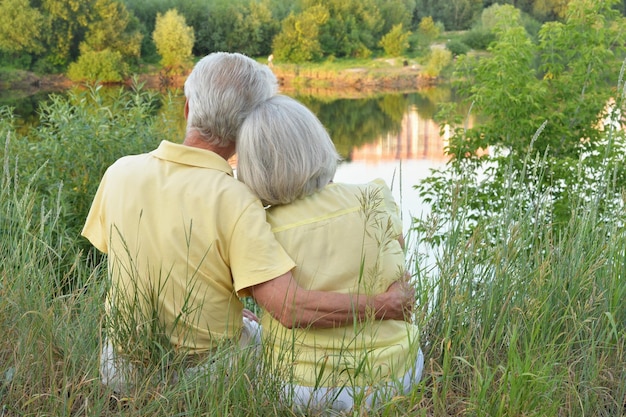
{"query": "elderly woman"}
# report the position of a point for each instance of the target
(343, 238)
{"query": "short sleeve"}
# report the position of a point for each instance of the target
(255, 254)
(94, 228)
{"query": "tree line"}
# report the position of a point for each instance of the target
(114, 36)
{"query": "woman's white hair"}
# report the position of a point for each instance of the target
(221, 90)
(284, 152)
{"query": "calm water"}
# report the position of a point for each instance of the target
(392, 137)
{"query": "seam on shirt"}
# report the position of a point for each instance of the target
(315, 219)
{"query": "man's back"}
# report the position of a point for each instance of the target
(175, 224)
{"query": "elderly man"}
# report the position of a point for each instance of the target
(185, 239)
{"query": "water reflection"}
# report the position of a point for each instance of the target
(388, 127)
(393, 137)
(418, 138)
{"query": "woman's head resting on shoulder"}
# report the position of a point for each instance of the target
(284, 152)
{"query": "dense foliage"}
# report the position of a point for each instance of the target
(104, 66)
(174, 41)
(396, 42)
(78, 137)
(48, 35)
(551, 109)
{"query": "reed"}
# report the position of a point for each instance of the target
(524, 318)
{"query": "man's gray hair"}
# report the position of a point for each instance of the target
(221, 90)
(284, 152)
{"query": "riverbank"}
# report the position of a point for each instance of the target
(390, 75)
(351, 79)
(19, 83)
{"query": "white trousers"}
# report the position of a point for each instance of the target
(115, 370)
(305, 398)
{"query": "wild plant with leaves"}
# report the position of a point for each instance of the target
(557, 102)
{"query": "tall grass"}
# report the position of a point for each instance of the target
(521, 321)
(526, 323)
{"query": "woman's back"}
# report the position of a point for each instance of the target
(343, 238)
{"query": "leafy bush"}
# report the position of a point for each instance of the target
(104, 66)
(439, 59)
(396, 41)
(78, 137)
(478, 39)
(457, 47)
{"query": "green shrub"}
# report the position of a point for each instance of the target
(478, 39)
(457, 47)
(396, 41)
(439, 59)
(78, 137)
(104, 66)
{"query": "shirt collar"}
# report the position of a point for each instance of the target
(189, 155)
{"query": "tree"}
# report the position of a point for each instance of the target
(454, 14)
(246, 26)
(394, 12)
(110, 40)
(298, 39)
(498, 15)
(146, 11)
(353, 29)
(544, 108)
(212, 22)
(253, 29)
(112, 27)
(20, 27)
(427, 32)
(396, 41)
(174, 41)
(63, 29)
(462, 13)
(551, 9)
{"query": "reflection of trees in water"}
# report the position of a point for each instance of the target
(427, 108)
(352, 123)
(24, 107)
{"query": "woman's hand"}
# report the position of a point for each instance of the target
(250, 315)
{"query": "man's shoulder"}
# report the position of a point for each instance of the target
(235, 194)
(125, 167)
(127, 161)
